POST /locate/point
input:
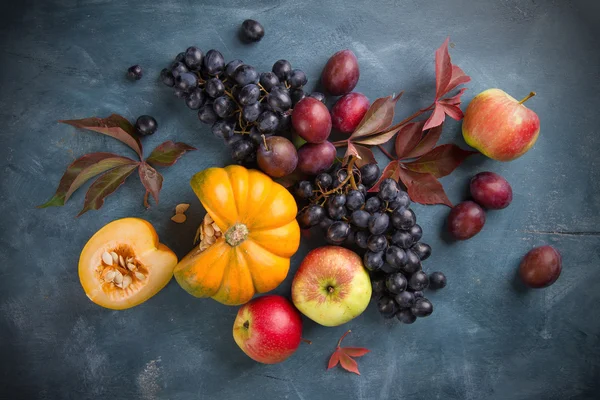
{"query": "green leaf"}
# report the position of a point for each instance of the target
(106, 184)
(440, 161)
(379, 117)
(152, 181)
(80, 171)
(168, 153)
(114, 126)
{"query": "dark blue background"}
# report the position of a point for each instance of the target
(488, 338)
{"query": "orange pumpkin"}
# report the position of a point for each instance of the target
(257, 218)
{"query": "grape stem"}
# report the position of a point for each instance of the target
(350, 178)
(265, 142)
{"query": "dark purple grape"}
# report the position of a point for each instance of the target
(223, 128)
(135, 72)
(245, 74)
(268, 80)
(387, 306)
(325, 223)
(418, 294)
(395, 256)
(361, 239)
(279, 99)
(422, 307)
(214, 87)
(418, 281)
(267, 122)
(377, 243)
(251, 112)
(360, 218)
(206, 114)
(350, 239)
(195, 98)
(242, 149)
(363, 189)
(378, 284)
(311, 216)
(336, 212)
(180, 57)
(180, 93)
(146, 125)
(338, 200)
(402, 239)
(405, 299)
(339, 176)
(178, 68)
(396, 283)
(388, 190)
(369, 174)
(256, 136)
(319, 96)
(373, 204)
(186, 81)
(232, 139)
(297, 79)
(324, 181)
(213, 63)
(231, 67)
(224, 106)
(437, 280)
(252, 31)
(304, 190)
(403, 218)
(373, 261)
(354, 200)
(416, 232)
(282, 69)
(249, 94)
(406, 316)
(193, 58)
(402, 200)
(378, 223)
(413, 263)
(423, 250)
(297, 95)
(285, 123)
(337, 232)
(167, 77)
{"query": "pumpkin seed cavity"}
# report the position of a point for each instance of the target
(120, 269)
(208, 232)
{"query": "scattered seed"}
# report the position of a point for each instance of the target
(181, 208)
(131, 267)
(179, 218)
(122, 261)
(106, 257)
(208, 219)
(204, 246)
(210, 240)
(115, 257)
(126, 281)
(118, 277)
(215, 227)
(140, 276)
(208, 229)
(110, 275)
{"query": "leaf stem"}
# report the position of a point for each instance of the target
(387, 153)
(342, 338)
(530, 95)
(306, 341)
(265, 142)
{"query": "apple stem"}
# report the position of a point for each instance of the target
(342, 338)
(306, 341)
(530, 95)
(265, 142)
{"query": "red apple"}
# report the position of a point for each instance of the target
(331, 286)
(348, 111)
(268, 329)
(499, 126)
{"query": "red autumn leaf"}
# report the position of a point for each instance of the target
(348, 363)
(443, 69)
(379, 116)
(423, 188)
(458, 78)
(106, 184)
(114, 126)
(390, 171)
(378, 138)
(363, 155)
(436, 118)
(334, 360)
(343, 356)
(427, 143)
(454, 100)
(440, 161)
(168, 153)
(453, 111)
(355, 351)
(152, 181)
(351, 151)
(408, 137)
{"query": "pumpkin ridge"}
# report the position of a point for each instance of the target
(237, 210)
(251, 215)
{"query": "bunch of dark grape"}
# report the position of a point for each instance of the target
(382, 227)
(240, 103)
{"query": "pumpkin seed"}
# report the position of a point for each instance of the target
(140, 276)
(179, 218)
(215, 227)
(126, 281)
(110, 275)
(118, 277)
(129, 260)
(131, 267)
(107, 258)
(115, 257)
(181, 208)
(122, 261)
(210, 239)
(208, 219)
(208, 229)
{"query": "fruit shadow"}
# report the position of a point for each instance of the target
(518, 286)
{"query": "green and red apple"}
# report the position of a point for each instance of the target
(268, 329)
(499, 126)
(331, 286)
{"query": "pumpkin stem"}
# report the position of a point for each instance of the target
(236, 234)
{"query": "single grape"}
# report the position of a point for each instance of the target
(178, 68)
(406, 316)
(195, 98)
(319, 96)
(405, 299)
(378, 223)
(297, 95)
(325, 223)
(355, 200)
(224, 106)
(403, 218)
(256, 136)
(369, 174)
(422, 250)
(388, 190)
(267, 122)
(401, 200)
(339, 176)
(193, 58)
(337, 232)
(324, 181)
(279, 99)
(348, 111)
(297, 79)
(540, 267)
(377, 243)
(311, 216)
(242, 149)
(372, 204)
(250, 112)
(466, 220)
(418, 294)
(180, 93)
(135, 72)
(336, 212)
(252, 31)
(373, 261)
(416, 232)
(340, 74)
(361, 239)
(403, 239)
(360, 218)
(245, 74)
(214, 87)
(387, 306)
(491, 191)
(349, 241)
(412, 264)
(213, 63)
(314, 158)
(146, 125)
(232, 139)
(268, 80)
(418, 281)
(167, 77)
(304, 190)
(311, 120)
(422, 307)
(396, 283)
(363, 189)
(249, 94)
(180, 57)
(231, 67)
(282, 69)
(338, 200)
(395, 256)
(223, 128)
(206, 114)
(285, 122)
(277, 156)
(186, 81)
(437, 280)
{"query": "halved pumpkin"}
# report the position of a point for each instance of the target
(124, 264)
(258, 233)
